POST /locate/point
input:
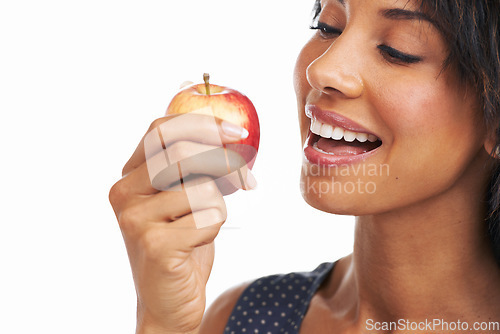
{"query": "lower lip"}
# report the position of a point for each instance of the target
(323, 159)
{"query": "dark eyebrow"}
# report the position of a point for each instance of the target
(404, 14)
(398, 14)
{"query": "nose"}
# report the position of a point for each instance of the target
(336, 71)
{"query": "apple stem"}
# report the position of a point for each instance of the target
(206, 78)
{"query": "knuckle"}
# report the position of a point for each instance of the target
(130, 219)
(209, 188)
(156, 123)
(118, 193)
(223, 211)
(178, 151)
(216, 215)
(151, 244)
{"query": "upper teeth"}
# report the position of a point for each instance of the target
(337, 133)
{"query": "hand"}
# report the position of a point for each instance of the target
(169, 220)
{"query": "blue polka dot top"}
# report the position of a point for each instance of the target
(276, 303)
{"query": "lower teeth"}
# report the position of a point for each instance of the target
(315, 146)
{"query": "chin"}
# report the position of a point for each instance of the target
(354, 204)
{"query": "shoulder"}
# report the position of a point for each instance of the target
(217, 315)
(268, 301)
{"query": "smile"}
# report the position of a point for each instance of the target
(335, 139)
(338, 133)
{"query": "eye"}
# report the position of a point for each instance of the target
(394, 56)
(326, 31)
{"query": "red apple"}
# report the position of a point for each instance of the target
(225, 103)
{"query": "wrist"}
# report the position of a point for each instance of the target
(156, 330)
(145, 325)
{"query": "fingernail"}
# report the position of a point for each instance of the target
(234, 130)
(251, 182)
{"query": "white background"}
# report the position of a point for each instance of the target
(80, 82)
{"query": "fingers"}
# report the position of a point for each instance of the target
(182, 213)
(167, 241)
(195, 195)
(163, 207)
(184, 159)
(214, 161)
(205, 128)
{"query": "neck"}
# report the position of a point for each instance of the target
(431, 259)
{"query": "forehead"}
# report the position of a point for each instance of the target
(398, 3)
(397, 10)
(410, 5)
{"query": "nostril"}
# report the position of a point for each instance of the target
(330, 90)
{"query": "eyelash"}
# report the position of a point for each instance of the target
(325, 30)
(388, 52)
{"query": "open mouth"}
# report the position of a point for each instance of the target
(335, 140)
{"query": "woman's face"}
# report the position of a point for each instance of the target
(373, 76)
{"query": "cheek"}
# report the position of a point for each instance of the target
(434, 133)
(302, 88)
(426, 110)
(406, 106)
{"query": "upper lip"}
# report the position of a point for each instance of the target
(333, 118)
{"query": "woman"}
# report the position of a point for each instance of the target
(399, 109)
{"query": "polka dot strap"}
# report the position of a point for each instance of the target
(276, 303)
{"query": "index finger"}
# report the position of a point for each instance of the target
(206, 129)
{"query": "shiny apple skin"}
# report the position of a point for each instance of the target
(227, 104)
